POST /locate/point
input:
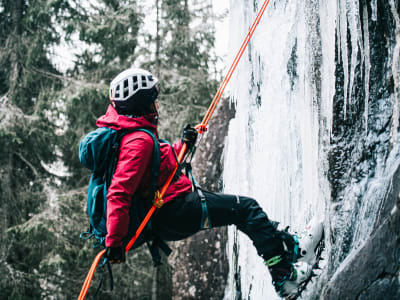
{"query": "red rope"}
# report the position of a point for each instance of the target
(202, 127)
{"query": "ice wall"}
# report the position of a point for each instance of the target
(316, 128)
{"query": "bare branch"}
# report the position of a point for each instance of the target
(28, 164)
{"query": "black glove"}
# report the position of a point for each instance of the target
(189, 136)
(115, 255)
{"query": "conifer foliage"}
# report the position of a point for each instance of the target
(28, 81)
(45, 111)
(184, 60)
(26, 87)
(108, 34)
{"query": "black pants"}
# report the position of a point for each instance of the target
(181, 218)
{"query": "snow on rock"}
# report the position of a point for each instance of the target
(315, 131)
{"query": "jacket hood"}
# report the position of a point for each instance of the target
(116, 121)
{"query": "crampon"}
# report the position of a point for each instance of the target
(318, 257)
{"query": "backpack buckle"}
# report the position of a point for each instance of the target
(158, 201)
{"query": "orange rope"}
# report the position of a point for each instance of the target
(202, 127)
(89, 276)
(96, 261)
(161, 195)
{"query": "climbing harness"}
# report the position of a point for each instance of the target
(202, 127)
(205, 222)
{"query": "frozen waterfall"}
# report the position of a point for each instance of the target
(307, 113)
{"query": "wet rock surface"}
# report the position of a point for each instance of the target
(371, 272)
(364, 168)
(338, 69)
(199, 263)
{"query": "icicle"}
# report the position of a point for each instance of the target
(374, 9)
(342, 11)
(355, 31)
(329, 34)
(273, 151)
(367, 64)
(396, 74)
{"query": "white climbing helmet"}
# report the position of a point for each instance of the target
(129, 82)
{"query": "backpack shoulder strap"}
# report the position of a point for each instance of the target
(156, 156)
(154, 242)
(155, 169)
(157, 242)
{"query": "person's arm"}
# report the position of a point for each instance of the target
(134, 158)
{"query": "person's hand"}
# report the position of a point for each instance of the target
(115, 255)
(189, 136)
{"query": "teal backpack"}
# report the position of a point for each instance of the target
(99, 151)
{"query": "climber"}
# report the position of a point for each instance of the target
(187, 209)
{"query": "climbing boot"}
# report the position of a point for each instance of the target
(282, 265)
(292, 267)
(310, 240)
(302, 272)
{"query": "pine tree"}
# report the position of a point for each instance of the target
(184, 62)
(44, 114)
(28, 82)
(109, 33)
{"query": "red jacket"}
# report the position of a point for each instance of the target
(133, 172)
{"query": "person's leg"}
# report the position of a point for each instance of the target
(247, 215)
(181, 218)
(279, 249)
(178, 219)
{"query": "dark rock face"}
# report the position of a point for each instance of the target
(358, 43)
(364, 262)
(358, 139)
(199, 263)
(373, 271)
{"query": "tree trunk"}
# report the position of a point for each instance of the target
(158, 61)
(13, 43)
(5, 206)
(186, 22)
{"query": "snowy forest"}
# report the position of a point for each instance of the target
(57, 60)
(309, 126)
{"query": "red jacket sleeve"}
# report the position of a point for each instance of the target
(177, 147)
(134, 158)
